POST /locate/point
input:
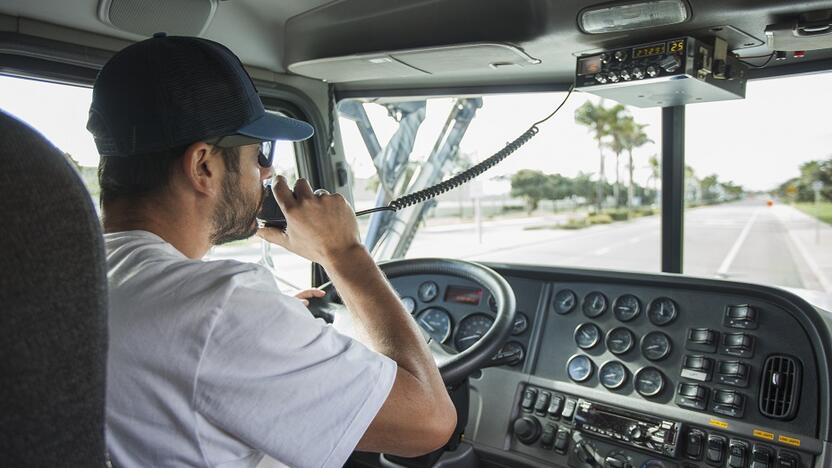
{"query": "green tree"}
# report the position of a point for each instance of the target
(632, 136)
(532, 186)
(600, 121)
(710, 188)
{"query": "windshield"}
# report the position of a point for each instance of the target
(586, 190)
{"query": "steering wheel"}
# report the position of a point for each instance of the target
(454, 367)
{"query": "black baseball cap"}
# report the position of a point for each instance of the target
(169, 91)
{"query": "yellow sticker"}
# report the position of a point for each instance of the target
(763, 434)
(789, 440)
(718, 423)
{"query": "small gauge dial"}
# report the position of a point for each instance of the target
(655, 346)
(437, 322)
(521, 323)
(428, 291)
(612, 374)
(649, 382)
(471, 329)
(620, 340)
(662, 311)
(587, 335)
(626, 307)
(595, 304)
(565, 301)
(409, 304)
(579, 368)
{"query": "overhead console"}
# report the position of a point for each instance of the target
(658, 371)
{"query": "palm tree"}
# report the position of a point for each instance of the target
(600, 121)
(632, 136)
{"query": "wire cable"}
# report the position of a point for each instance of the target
(467, 175)
(763, 65)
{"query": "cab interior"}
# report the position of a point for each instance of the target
(553, 364)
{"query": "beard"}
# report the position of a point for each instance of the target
(235, 216)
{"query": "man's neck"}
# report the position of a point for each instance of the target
(178, 227)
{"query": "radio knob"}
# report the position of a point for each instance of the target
(620, 55)
(652, 71)
(625, 75)
(605, 58)
(638, 73)
(527, 429)
(601, 78)
(612, 77)
(635, 433)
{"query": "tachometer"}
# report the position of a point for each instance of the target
(612, 374)
(437, 322)
(471, 329)
(579, 368)
(649, 382)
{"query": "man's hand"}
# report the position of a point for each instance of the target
(307, 294)
(319, 227)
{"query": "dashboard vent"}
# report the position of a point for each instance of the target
(780, 387)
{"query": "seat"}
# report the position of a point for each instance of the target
(53, 298)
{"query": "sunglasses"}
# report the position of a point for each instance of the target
(267, 148)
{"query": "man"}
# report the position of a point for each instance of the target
(209, 364)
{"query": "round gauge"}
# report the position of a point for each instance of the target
(521, 323)
(565, 301)
(612, 374)
(620, 340)
(595, 304)
(662, 311)
(655, 346)
(587, 335)
(626, 307)
(579, 368)
(471, 329)
(437, 322)
(428, 291)
(649, 382)
(513, 352)
(409, 304)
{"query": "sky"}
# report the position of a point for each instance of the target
(757, 142)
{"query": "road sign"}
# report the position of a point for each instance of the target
(817, 185)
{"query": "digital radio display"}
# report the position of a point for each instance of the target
(649, 50)
(463, 295)
(676, 46)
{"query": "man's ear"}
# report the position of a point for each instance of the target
(201, 168)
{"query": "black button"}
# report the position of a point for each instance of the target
(529, 397)
(741, 316)
(787, 460)
(729, 403)
(715, 451)
(695, 440)
(761, 456)
(702, 339)
(738, 344)
(542, 403)
(697, 368)
(562, 440)
(547, 440)
(569, 408)
(693, 396)
(737, 454)
(556, 406)
(733, 373)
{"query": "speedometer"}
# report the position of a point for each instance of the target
(437, 322)
(471, 329)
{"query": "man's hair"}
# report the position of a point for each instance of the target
(141, 175)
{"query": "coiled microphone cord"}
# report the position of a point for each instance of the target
(467, 175)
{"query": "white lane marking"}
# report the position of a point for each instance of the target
(602, 251)
(810, 262)
(735, 249)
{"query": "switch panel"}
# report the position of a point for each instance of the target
(741, 316)
(702, 339)
(696, 367)
(729, 402)
(692, 396)
(734, 373)
(738, 344)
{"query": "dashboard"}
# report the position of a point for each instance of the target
(636, 370)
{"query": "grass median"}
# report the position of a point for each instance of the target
(822, 211)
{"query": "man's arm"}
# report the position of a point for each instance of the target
(418, 415)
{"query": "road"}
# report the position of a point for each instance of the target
(743, 241)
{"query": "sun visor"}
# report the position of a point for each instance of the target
(445, 60)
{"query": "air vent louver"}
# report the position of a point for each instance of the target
(780, 387)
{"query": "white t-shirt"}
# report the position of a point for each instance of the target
(210, 365)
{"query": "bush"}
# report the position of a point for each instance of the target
(618, 215)
(599, 219)
(574, 224)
